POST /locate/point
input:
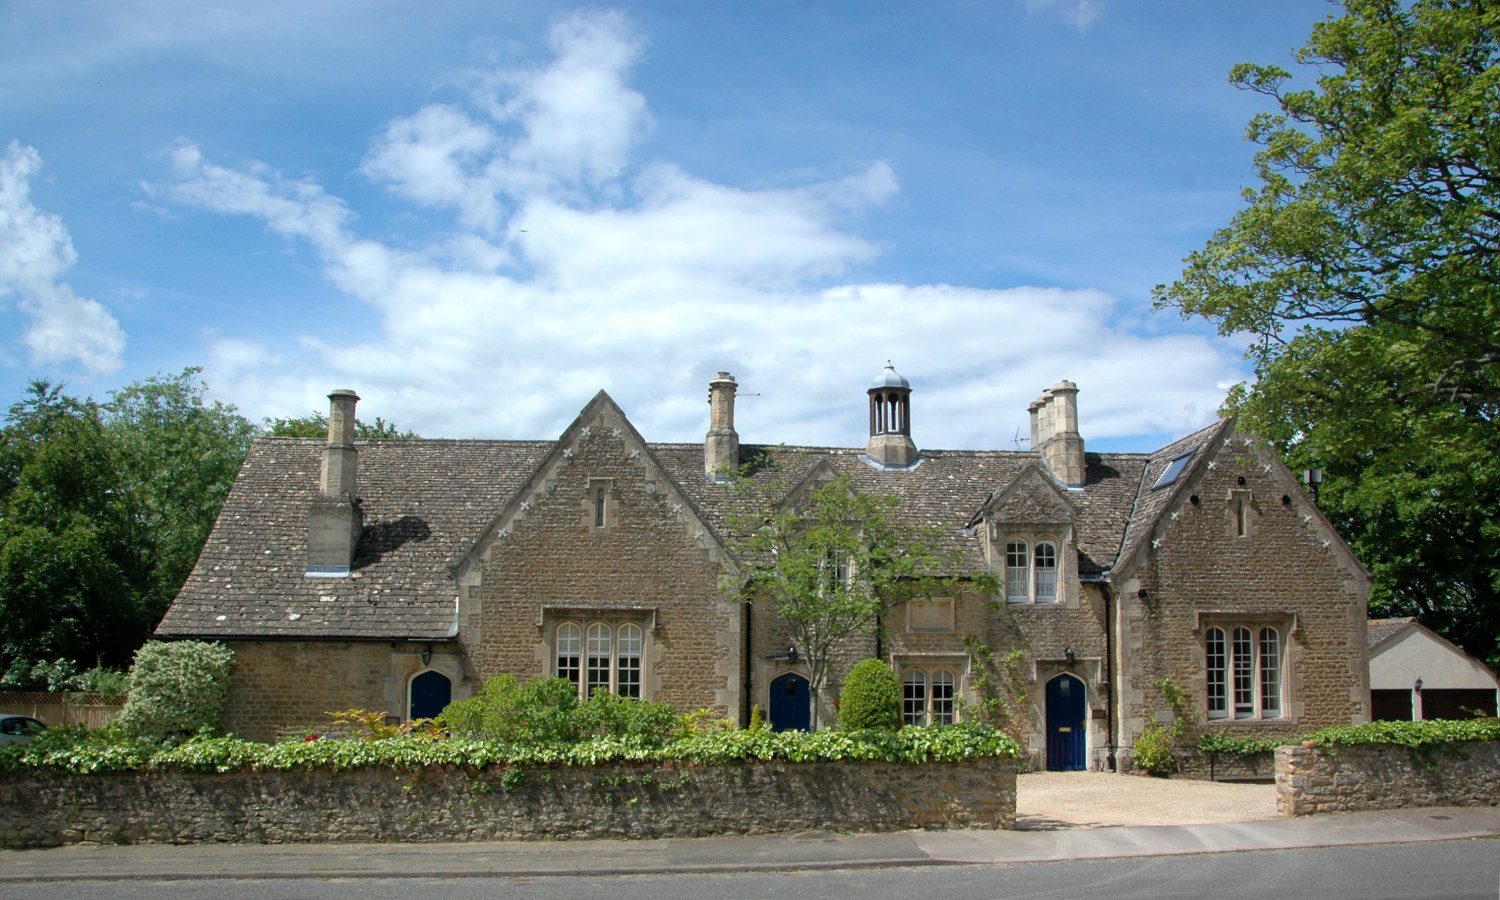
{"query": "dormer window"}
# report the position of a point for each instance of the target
(1031, 572)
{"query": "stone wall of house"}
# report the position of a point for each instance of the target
(637, 801)
(1312, 780)
(651, 562)
(1287, 569)
(281, 687)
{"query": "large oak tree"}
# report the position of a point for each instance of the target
(1365, 266)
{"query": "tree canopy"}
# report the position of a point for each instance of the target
(831, 563)
(315, 425)
(1364, 266)
(105, 508)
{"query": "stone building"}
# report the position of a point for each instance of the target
(400, 574)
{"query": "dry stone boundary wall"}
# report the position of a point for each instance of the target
(453, 804)
(1312, 780)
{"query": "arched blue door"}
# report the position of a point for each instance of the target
(790, 709)
(430, 692)
(1066, 748)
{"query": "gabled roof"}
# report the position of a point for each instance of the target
(1153, 500)
(1382, 630)
(1032, 497)
(428, 503)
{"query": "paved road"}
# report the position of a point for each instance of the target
(1451, 870)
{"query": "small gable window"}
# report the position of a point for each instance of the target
(1174, 471)
(600, 504)
(1031, 572)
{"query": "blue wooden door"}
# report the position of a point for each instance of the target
(790, 706)
(1066, 747)
(430, 692)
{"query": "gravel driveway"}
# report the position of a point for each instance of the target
(1052, 800)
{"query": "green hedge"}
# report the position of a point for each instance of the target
(84, 755)
(1424, 733)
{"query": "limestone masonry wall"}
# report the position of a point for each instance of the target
(1313, 780)
(636, 801)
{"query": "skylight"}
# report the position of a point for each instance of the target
(1174, 471)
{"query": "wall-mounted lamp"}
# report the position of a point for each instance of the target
(790, 655)
(426, 654)
(1313, 478)
(1070, 656)
(1417, 685)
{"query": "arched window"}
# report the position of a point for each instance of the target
(914, 697)
(628, 662)
(1270, 673)
(1243, 665)
(1017, 572)
(941, 706)
(928, 696)
(601, 655)
(1046, 573)
(569, 652)
(1030, 572)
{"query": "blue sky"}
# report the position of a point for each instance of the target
(477, 214)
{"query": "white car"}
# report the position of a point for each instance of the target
(19, 729)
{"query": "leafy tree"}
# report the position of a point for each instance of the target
(178, 457)
(103, 509)
(1365, 267)
(832, 563)
(315, 425)
(69, 570)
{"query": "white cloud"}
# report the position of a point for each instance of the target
(574, 267)
(1078, 13)
(35, 252)
(558, 129)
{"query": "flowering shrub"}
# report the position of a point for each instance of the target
(176, 689)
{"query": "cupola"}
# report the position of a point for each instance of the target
(890, 445)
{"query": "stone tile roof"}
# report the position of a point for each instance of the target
(1382, 630)
(423, 500)
(426, 501)
(1150, 501)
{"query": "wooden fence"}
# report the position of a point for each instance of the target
(61, 708)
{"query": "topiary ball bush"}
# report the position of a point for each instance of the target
(871, 697)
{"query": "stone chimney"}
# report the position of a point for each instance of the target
(336, 520)
(890, 446)
(1054, 432)
(721, 447)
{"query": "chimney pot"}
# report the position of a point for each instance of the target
(335, 520)
(721, 446)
